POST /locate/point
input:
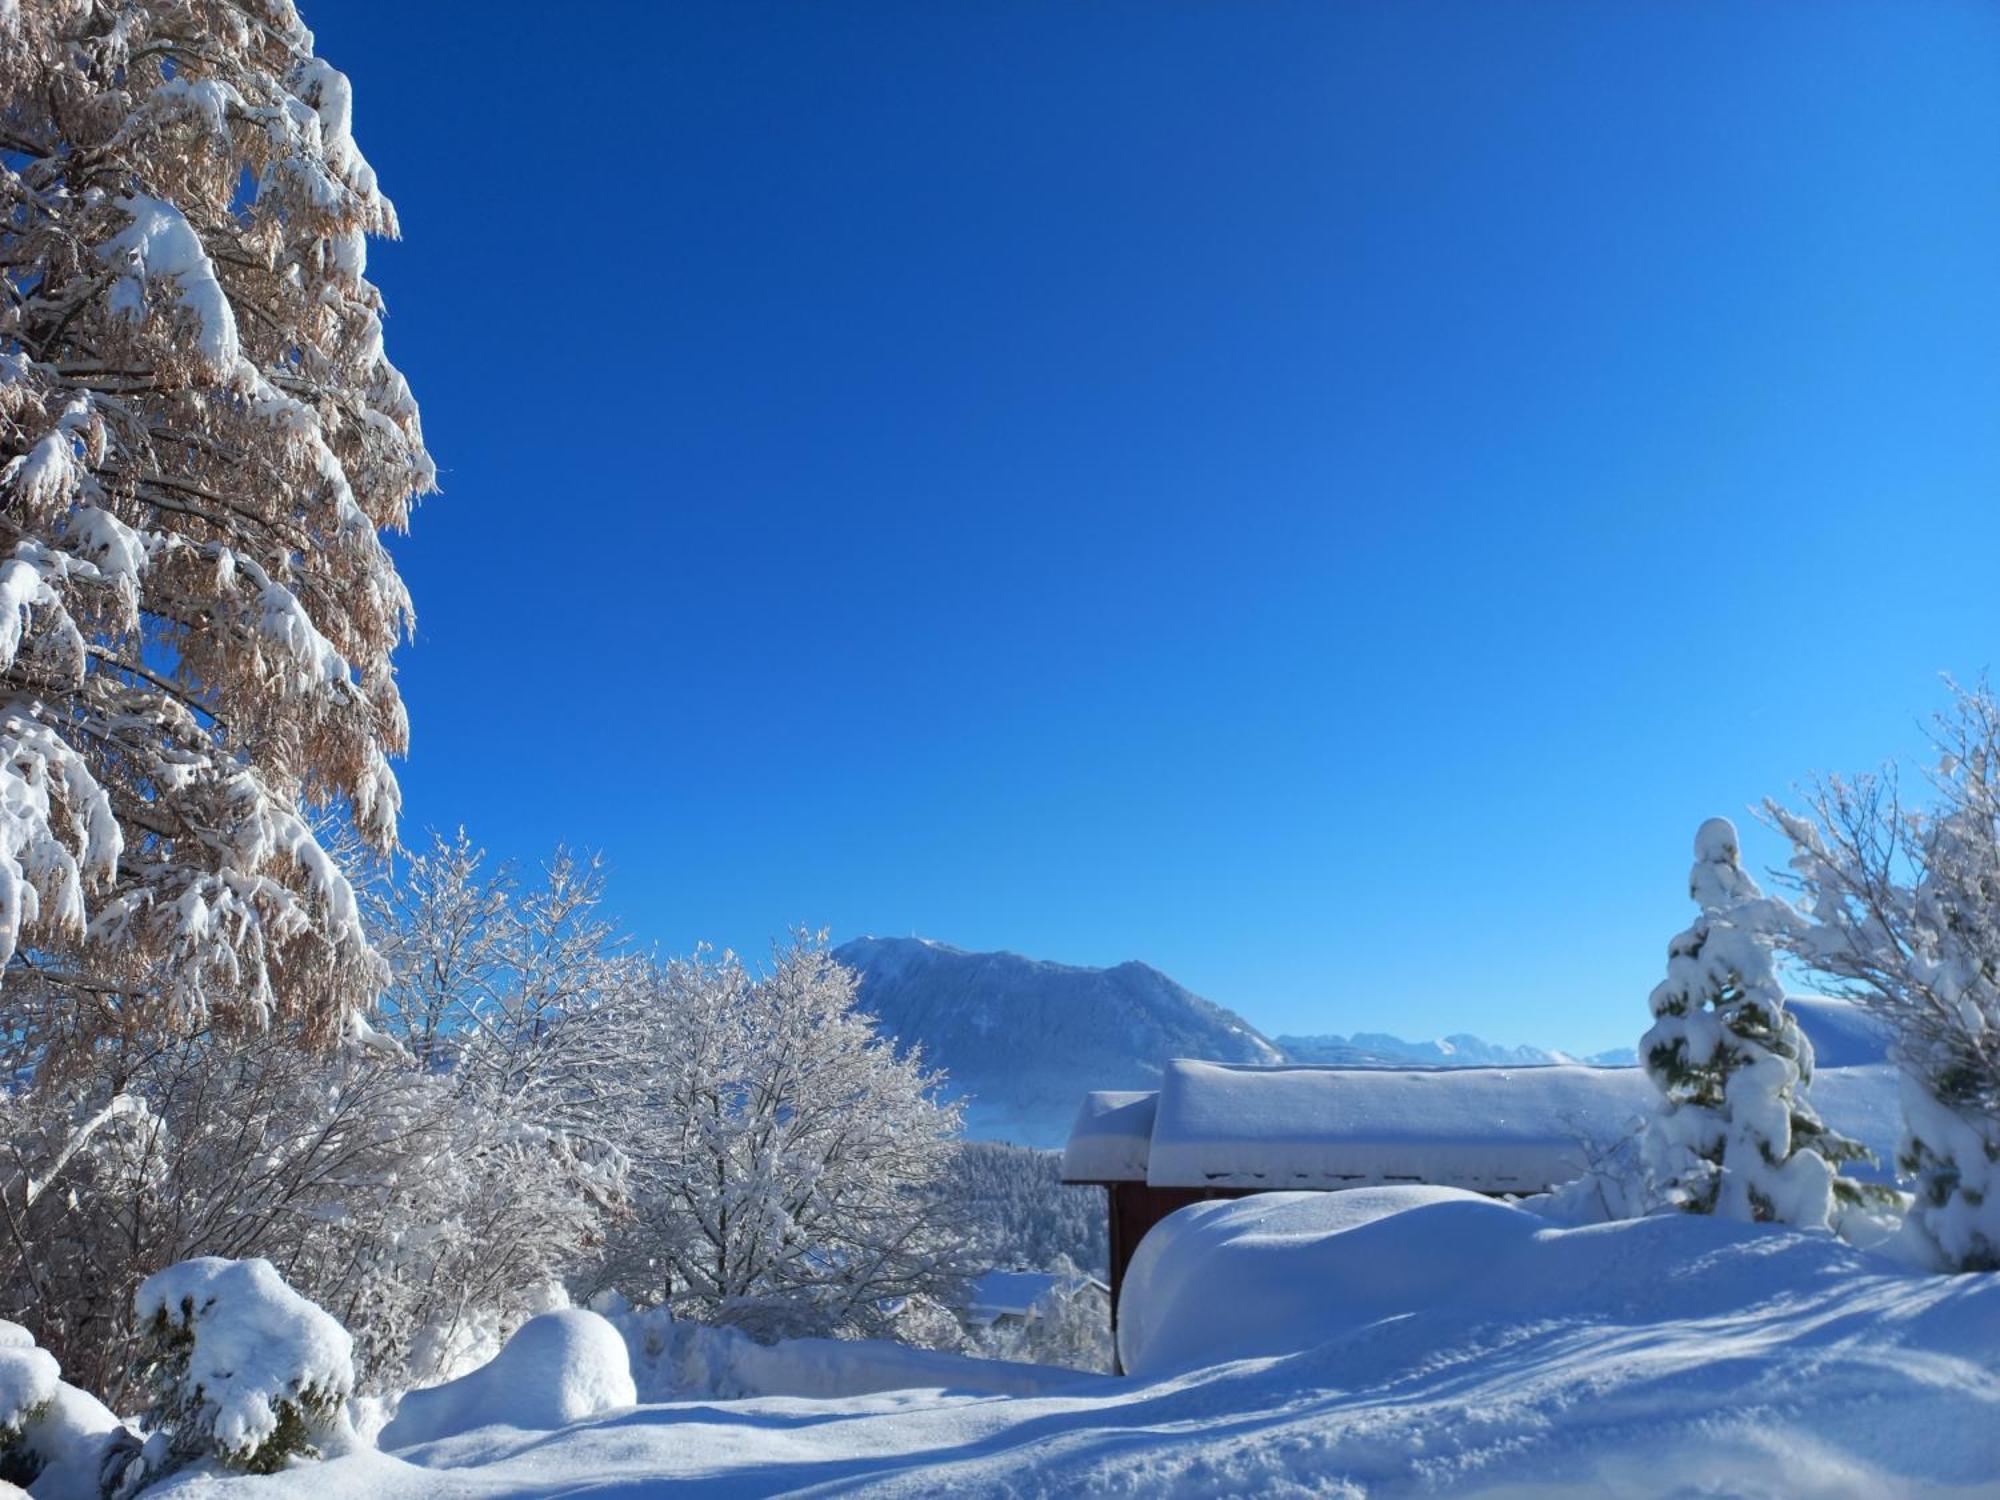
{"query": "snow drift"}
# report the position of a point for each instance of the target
(1389, 1341)
(557, 1369)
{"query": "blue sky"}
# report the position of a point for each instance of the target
(1321, 498)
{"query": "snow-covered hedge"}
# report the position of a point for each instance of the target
(241, 1367)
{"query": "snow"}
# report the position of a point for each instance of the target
(1489, 1129)
(1965, 1226)
(677, 1360)
(28, 1376)
(1452, 1346)
(1715, 842)
(1111, 1138)
(1843, 1035)
(1223, 1280)
(160, 246)
(68, 1433)
(557, 1369)
(257, 1345)
(1515, 1130)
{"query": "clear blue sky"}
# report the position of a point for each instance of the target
(1322, 498)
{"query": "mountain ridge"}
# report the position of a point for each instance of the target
(1021, 1039)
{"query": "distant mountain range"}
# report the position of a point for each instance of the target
(1022, 1040)
(1373, 1049)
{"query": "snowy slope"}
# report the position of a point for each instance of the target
(1388, 1342)
(1025, 1039)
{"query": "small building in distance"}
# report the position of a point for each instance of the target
(1001, 1299)
(1226, 1130)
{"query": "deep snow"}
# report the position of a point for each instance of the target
(1429, 1343)
(559, 1368)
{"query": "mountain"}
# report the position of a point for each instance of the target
(1372, 1049)
(1023, 1039)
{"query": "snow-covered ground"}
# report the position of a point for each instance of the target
(1385, 1341)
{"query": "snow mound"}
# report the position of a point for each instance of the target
(557, 1369)
(247, 1352)
(1270, 1274)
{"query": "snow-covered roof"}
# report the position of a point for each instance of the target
(1513, 1130)
(1013, 1294)
(1001, 1294)
(1502, 1130)
(1111, 1137)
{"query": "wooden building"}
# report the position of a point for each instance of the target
(1224, 1130)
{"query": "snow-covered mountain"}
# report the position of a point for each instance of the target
(1023, 1039)
(1374, 1049)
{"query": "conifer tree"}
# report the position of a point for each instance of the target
(200, 442)
(1734, 1134)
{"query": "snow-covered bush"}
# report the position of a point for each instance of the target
(423, 1218)
(1734, 1134)
(1904, 907)
(201, 439)
(786, 1161)
(426, 1192)
(239, 1366)
(61, 1441)
(559, 1368)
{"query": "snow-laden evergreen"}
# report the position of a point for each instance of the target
(1905, 909)
(200, 440)
(1734, 1134)
(240, 1367)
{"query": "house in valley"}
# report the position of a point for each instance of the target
(1004, 1299)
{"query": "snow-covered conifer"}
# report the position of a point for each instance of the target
(1734, 1134)
(200, 440)
(1904, 907)
(240, 1366)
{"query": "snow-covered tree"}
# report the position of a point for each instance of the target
(515, 994)
(428, 1179)
(445, 924)
(786, 1177)
(1905, 913)
(1734, 1134)
(200, 442)
(428, 1221)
